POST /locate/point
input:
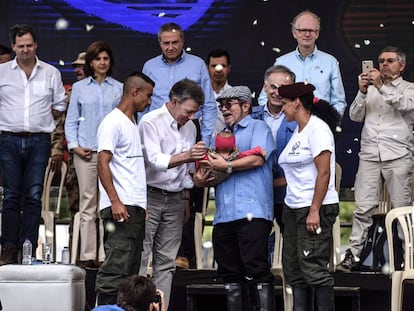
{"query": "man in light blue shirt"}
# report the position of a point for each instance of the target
(173, 65)
(312, 65)
(244, 204)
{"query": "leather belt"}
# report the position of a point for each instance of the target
(164, 192)
(23, 134)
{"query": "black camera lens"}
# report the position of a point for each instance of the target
(157, 298)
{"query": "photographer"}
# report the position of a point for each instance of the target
(137, 293)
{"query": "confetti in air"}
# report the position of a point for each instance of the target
(249, 216)
(110, 227)
(349, 151)
(356, 139)
(207, 244)
(81, 119)
(357, 46)
(89, 27)
(218, 67)
(386, 268)
(61, 62)
(61, 24)
(381, 25)
(188, 49)
(255, 22)
(262, 43)
(277, 50)
(367, 42)
(338, 129)
(162, 14)
(254, 94)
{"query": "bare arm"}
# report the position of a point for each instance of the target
(119, 211)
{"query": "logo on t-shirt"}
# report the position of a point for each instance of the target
(295, 148)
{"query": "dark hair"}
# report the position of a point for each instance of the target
(136, 293)
(19, 30)
(322, 109)
(129, 82)
(170, 27)
(93, 51)
(187, 89)
(218, 53)
(4, 49)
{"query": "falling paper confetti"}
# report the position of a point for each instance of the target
(356, 139)
(338, 129)
(89, 27)
(218, 67)
(381, 25)
(349, 151)
(188, 49)
(357, 46)
(162, 14)
(277, 50)
(249, 216)
(207, 244)
(262, 43)
(254, 94)
(255, 22)
(386, 268)
(110, 227)
(61, 24)
(61, 62)
(367, 42)
(81, 119)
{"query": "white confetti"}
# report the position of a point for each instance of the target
(81, 119)
(110, 227)
(188, 49)
(381, 25)
(319, 230)
(367, 42)
(255, 22)
(306, 253)
(289, 290)
(380, 229)
(61, 62)
(357, 46)
(207, 244)
(218, 67)
(349, 151)
(61, 24)
(262, 43)
(249, 216)
(412, 22)
(386, 268)
(49, 233)
(162, 14)
(277, 50)
(356, 139)
(89, 27)
(338, 129)
(254, 95)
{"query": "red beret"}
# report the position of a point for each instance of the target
(295, 90)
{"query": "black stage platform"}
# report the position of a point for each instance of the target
(353, 291)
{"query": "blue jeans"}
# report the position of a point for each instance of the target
(23, 161)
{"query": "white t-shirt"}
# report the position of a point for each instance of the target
(297, 161)
(119, 135)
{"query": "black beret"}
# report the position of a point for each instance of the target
(295, 90)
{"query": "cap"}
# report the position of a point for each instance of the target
(295, 90)
(80, 60)
(242, 93)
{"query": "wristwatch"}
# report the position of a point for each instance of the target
(229, 167)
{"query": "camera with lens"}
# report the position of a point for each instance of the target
(157, 298)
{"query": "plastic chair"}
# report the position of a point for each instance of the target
(404, 216)
(384, 204)
(198, 231)
(49, 216)
(336, 228)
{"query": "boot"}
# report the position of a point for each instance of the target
(325, 298)
(303, 299)
(234, 296)
(8, 256)
(266, 296)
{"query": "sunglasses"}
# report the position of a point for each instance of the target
(228, 104)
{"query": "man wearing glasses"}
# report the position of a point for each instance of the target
(312, 65)
(384, 103)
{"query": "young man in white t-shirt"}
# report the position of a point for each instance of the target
(123, 188)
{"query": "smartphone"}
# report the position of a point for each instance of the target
(367, 65)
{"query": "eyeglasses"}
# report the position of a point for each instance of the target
(228, 104)
(388, 60)
(305, 31)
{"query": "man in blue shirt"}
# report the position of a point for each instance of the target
(312, 65)
(244, 204)
(173, 65)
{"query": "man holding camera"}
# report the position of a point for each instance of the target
(385, 103)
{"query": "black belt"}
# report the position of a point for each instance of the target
(22, 134)
(164, 192)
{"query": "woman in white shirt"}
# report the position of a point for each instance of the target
(311, 202)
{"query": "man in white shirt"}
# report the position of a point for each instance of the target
(122, 187)
(170, 147)
(31, 96)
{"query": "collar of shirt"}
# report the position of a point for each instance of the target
(311, 55)
(179, 60)
(277, 116)
(107, 79)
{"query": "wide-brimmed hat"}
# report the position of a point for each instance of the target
(80, 60)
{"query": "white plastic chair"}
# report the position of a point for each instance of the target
(49, 216)
(404, 216)
(198, 231)
(336, 229)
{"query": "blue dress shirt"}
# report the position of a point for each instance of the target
(188, 66)
(89, 103)
(248, 191)
(319, 68)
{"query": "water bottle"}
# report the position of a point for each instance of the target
(65, 255)
(27, 252)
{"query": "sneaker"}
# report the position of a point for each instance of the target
(8, 256)
(347, 263)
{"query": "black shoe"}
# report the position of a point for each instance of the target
(348, 263)
(8, 256)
